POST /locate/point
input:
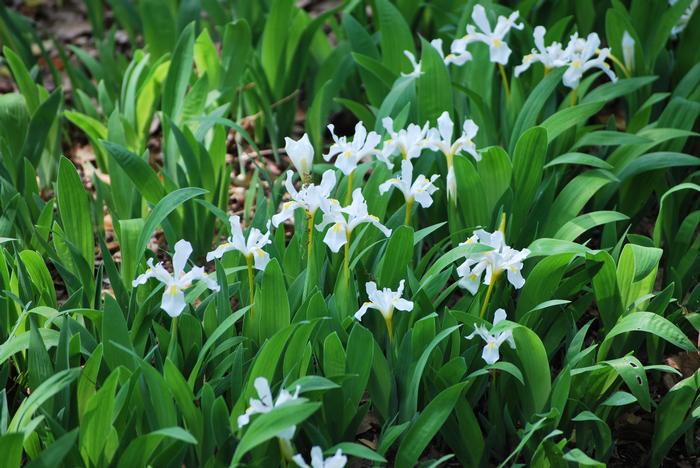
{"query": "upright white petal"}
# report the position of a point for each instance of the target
(183, 250)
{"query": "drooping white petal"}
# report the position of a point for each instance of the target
(336, 237)
(260, 258)
(173, 301)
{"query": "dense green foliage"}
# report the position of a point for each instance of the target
(598, 182)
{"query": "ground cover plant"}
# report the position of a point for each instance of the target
(362, 233)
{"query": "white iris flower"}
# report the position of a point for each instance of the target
(350, 153)
(458, 52)
(409, 142)
(309, 198)
(584, 55)
(494, 39)
(551, 56)
(385, 301)
(490, 354)
(252, 248)
(440, 139)
(265, 404)
(317, 461)
(421, 190)
(491, 263)
(416, 72)
(173, 302)
(342, 227)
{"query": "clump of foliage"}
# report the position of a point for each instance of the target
(491, 256)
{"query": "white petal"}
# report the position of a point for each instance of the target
(363, 310)
(490, 354)
(287, 212)
(479, 17)
(262, 386)
(220, 251)
(173, 302)
(500, 53)
(288, 433)
(515, 278)
(299, 460)
(183, 250)
(327, 182)
(335, 237)
(445, 126)
(499, 316)
(403, 304)
(261, 259)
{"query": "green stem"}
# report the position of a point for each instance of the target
(494, 278)
(409, 205)
(390, 329)
(309, 247)
(620, 64)
(574, 97)
(502, 71)
(348, 195)
(346, 261)
(172, 346)
(251, 287)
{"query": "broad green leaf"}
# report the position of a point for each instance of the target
(74, 209)
(427, 425)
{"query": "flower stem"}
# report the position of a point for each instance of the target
(620, 64)
(172, 345)
(251, 287)
(502, 71)
(346, 262)
(390, 329)
(574, 97)
(409, 205)
(348, 195)
(494, 278)
(309, 246)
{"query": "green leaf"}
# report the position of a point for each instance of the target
(142, 449)
(40, 126)
(579, 159)
(648, 322)
(39, 396)
(24, 81)
(395, 36)
(528, 159)
(158, 26)
(569, 117)
(433, 88)
(396, 258)
(409, 404)
(428, 424)
(271, 302)
(75, 210)
(533, 106)
(266, 426)
(574, 197)
(11, 449)
(161, 211)
(535, 367)
(654, 161)
(144, 177)
(577, 226)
